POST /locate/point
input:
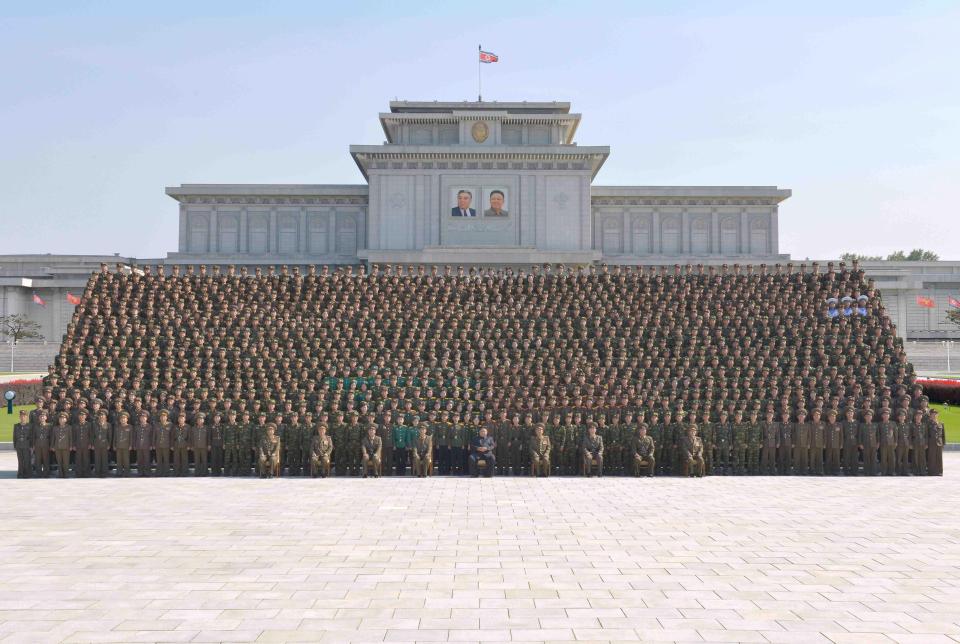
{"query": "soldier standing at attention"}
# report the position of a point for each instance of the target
(692, 451)
(935, 440)
(723, 435)
(422, 454)
(231, 445)
(61, 439)
(591, 447)
(102, 433)
(539, 452)
(817, 441)
(644, 452)
(888, 444)
(371, 448)
(143, 441)
(245, 434)
(23, 443)
(82, 443)
(200, 441)
(180, 438)
(753, 444)
(269, 453)
(216, 445)
(708, 435)
(122, 442)
(801, 444)
(321, 453)
(739, 443)
(292, 437)
(903, 443)
(771, 441)
(832, 440)
(918, 443)
(869, 442)
(162, 435)
(851, 441)
(785, 448)
(41, 444)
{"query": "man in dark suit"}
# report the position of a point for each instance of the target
(463, 209)
(482, 448)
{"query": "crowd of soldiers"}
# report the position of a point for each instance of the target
(622, 370)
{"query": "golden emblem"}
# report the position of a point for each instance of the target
(480, 131)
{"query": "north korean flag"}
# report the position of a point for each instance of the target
(488, 57)
(38, 300)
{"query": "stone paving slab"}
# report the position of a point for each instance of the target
(756, 559)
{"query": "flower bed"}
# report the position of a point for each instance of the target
(27, 390)
(941, 390)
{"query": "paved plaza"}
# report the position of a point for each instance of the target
(455, 559)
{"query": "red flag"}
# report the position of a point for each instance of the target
(954, 302)
(488, 57)
(924, 301)
(73, 299)
(37, 300)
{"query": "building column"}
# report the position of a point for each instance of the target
(626, 238)
(775, 231)
(183, 228)
(657, 233)
(213, 231)
(902, 303)
(684, 231)
(744, 233)
(242, 244)
(302, 236)
(272, 242)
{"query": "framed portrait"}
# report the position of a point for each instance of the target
(495, 203)
(464, 202)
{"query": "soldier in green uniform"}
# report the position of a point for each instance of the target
(306, 433)
(23, 443)
(321, 453)
(61, 440)
(200, 442)
(421, 454)
(143, 443)
(398, 435)
(770, 441)
(123, 443)
(753, 443)
(180, 440)
(82, 444)
(41, 444)
(817, 442)
(458, 444)
(739, 444)
(540, 452)
(591, 448)
(785, 447)
(918, 443)
(724, 444)
(162, 437)
(801, 444)
(691, 449)
(657, 434)
(903, 443)
(231, 445)
(833, 442)
(556, 433)
(268, 453)
(676, 433)
(643, 452)
(935, 440)
(217, 455)
(888, 443)
(851, 442)
(708, 436)
(869, 442)
(371, 451)
(102, 434)
(442, 441)
(292, 440)
(247, 430)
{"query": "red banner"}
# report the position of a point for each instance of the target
(925, 302)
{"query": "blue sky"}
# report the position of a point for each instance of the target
(855, 106)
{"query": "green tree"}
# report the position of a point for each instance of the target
(17, 327)
(915, 255)
(953, 315)
(849, 257)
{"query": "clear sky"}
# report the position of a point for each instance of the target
(853, 105)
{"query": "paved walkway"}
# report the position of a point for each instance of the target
(717, 559)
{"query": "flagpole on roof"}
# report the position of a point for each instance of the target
(479, 81)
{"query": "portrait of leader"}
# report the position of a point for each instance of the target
(497, 205)
(463, 209)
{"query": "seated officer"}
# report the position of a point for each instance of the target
(269, 453)
(592, 450)
(539, 452)
(371, 449)
(422, 454)
(643, 452)
(481, 454)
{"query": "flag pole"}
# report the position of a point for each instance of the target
(479, 80)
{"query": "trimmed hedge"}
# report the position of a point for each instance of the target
(941, 390)
(27, 390)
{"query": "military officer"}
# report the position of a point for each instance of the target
(122, 442)
(851, 442)
(217, 455)
(869, 442)
(692, 452)
(591, 449)
(833, 442)
(23, 443)
(817, 442)
(739, 444)
(771, 441)
(539, 452)
(102, 435)
(903, 443)
(41, 443)
(321, 453)
(935, 440)
(61, 440)
(268, 453)
(200, 442)
(801, 443)
(888, 443)
(371, 449)
(421, 454)
(180, 440)
(143, 442)
(644, 452)
(162, 441)
(82, 444)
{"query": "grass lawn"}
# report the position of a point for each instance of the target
(7, 421)
(950, 417)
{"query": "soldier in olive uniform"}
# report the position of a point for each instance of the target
(869, 443)
(935, 440)
(833, 442)
(82, 444)
(888, 444)
(231, 445)
(421, 454)
(268, 453)
(817, 442)
(591, 447)
(754, 439)
(321, 453)
(918, 443)
(739, 444)
(217, 456)
(692, 452)
(903, 443)
(771, 441)
(200, 442)
(785, 444)
(643, 452)
(23, 443)
(371, 449)
(180, 439)
(724, 444)
(102, 434)
(122, 443)
(246, 432)
(540, 452)
(708, 435)
(162, 437)
(851, 443)
(801, 444)
(143, 442)
(292, 437)
(61, 440)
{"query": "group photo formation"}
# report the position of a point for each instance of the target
(423, 370)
